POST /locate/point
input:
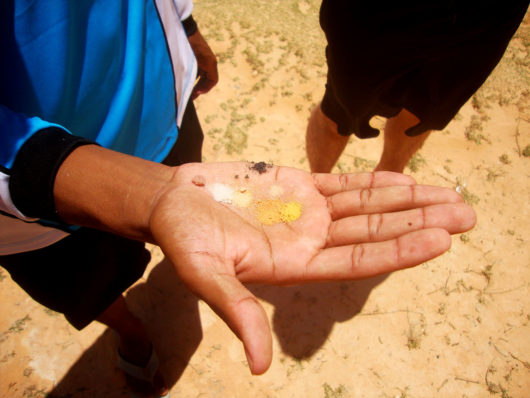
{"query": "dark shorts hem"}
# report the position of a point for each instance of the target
(420, 57)
(81, 275)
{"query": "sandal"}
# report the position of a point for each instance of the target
(145, 373)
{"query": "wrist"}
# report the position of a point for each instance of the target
(190, 26)
(108, 190)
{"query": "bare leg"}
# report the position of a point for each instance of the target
(398, 147)
(134, 343)
(324, 144)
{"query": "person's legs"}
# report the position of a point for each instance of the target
(324, 144)
(134, 344)
(398, 147)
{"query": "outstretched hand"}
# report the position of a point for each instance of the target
(222, 225)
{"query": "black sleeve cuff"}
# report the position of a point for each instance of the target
(190, 26)
(33, 172)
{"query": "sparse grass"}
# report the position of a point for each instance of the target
(487, 272)
(8, 356)
(415, 332)
(49, 312)
(330, 392)
(343, 168)
(464, 238)
(495, 388)
(253, 59)
(493, 175)
(364, 164)
(416, 162)
(34, 392)
(473, 131)
(234, 139)
(505, 159)
(19, 325)
(469, 198)
(299, 33)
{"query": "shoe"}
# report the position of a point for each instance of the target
(145, 373)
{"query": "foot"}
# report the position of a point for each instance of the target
(137, 350)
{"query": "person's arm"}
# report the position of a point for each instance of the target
(208, 75)
(348, 226)
(206, 62)
(108, 190)
(18, 162)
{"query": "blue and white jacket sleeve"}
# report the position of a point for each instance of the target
(31, 152)
(178, 25)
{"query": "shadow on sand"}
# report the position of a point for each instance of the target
(304, 315)
(171, 316)
(303, 318)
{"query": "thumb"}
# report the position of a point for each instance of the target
(245, 316)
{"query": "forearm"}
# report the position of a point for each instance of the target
(103, 189)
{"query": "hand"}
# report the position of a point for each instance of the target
(349, 227)
(207, 64)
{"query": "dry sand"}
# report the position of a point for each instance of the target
(457, 326)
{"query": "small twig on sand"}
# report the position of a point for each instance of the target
(525, 363)
(505, 291)
(517, 139)
(466, 380)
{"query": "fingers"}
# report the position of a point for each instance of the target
(378, 227)
(242, 313)
(205, 84)
(388, 199)
(331, 184)
(370, 259)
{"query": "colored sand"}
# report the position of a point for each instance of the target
(221, 192)
(242, 198)
(275, 211)
(268, 212)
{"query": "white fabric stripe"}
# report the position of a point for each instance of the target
(20, 234)
(184, 8)
(182, 57)
(17, 236)
(6, 204)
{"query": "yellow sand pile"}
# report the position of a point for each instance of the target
(276, 211)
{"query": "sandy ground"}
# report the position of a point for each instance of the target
(457, 326)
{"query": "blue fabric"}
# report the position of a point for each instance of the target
(25, 128)
(97, 68)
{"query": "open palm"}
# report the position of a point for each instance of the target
(225, 224)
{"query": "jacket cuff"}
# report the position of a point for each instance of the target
(190, 26)
(34, 170)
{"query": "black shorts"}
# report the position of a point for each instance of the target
(83, 274)
(427, 57)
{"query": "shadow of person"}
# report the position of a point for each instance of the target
(170, 313)
(304, 315)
